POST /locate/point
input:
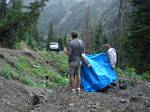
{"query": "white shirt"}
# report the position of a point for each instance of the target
(112, 56)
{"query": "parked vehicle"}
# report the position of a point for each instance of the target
(54, 46)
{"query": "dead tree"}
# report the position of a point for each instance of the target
(87, 32)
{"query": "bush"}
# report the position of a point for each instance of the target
(133, 74)
(146, 76)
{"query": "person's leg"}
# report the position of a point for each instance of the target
(71, 72)
(72, 82)
(78, 78)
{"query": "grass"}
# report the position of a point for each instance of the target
(59, 59)
(133, 74)
(34, 72)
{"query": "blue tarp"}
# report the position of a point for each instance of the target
(99, 75)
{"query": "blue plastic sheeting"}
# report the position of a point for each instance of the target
(99, 75)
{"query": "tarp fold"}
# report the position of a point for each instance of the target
(99, 75)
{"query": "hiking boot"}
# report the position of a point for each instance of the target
(78, 90)
(73, 91)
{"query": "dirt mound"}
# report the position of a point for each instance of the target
(9, 56)
(15, 97)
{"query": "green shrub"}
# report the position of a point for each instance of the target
(133, 74)
(146, 76)
(8, 72)
(26, 80)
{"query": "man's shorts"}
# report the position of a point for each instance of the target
(74, 68)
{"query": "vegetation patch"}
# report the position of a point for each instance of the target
(58, 59)
(133, 74)
(36, 73)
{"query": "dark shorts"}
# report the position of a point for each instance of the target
(74, 68)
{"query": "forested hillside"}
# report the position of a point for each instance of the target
(18, 22)
(69, 15)
(124, 24)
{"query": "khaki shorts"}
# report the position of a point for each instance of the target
(74, 68)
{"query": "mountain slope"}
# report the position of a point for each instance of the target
(69, 15)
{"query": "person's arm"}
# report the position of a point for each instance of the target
(66, 52)
(112, 58)
(85, 61)
(68, 49)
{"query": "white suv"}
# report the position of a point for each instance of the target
(54, 46)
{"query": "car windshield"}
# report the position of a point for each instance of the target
(53, 43)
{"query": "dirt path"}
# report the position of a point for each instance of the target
(15, 97)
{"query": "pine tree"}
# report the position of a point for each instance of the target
(137, 43)
(87, 32)
(51, 35)
(60, 42)
(9, 31)
(65, 40)
(17, 23)
(97, 39)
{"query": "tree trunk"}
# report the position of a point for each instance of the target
(2, 8)
(122, 5)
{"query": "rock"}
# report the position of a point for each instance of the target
(82, 107)
(146, 103)
(36, 100)
(97, 103)
(2, 56)
(140, 94)
(8, 102)
(96, 106)
(108, 110)
(123, 101)
(36, 108)
(50, 91)
(71, 104)
(134, 99)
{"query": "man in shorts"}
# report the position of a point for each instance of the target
(74, 50)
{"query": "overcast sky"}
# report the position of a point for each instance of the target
(76, 0)
(7, 1)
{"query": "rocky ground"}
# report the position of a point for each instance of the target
(15, 97)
